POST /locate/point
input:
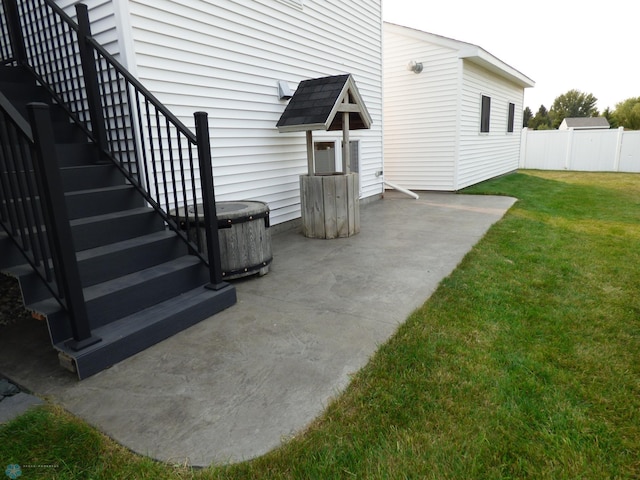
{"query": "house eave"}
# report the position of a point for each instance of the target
(467, 51)
(484, 59)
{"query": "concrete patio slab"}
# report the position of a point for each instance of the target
(236, 385)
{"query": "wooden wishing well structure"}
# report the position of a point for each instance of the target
(329, 202)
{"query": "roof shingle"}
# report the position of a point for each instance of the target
(314, 106)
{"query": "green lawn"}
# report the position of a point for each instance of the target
(525, 363)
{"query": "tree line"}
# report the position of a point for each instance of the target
(575, 103)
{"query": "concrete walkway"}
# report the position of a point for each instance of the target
(236, 385)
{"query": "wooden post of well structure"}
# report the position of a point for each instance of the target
(310, 155)
(346, 151)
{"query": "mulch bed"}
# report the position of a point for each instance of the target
(11, 307)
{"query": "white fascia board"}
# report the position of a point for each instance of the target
(302, 128)
(484, 59)
(466, 51)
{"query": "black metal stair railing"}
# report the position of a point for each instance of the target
(33, 210)
(155, 151)
(7, 16)
(20, 202)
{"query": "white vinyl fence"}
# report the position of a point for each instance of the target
(581, 150)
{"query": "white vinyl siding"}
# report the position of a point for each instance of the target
(419, 112)
(102, 18)
(225, 58)
(486, 155)
(432, 131)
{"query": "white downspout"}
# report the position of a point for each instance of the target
(403, 190)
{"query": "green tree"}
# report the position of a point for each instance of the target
(609, 115)
(541, 120)
(527, 115)
(574, 103)
(627, 113)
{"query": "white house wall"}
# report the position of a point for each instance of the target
(432, 135)
(103, 21)
(225, 58)
(420, 111)
(485, 155)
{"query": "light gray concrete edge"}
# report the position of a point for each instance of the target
(15, 405)
(240, 383)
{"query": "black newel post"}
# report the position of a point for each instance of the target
(209, 201)
(15, 32)
(58, 226)
(91, 77)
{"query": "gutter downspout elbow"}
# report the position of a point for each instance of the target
(402, 190)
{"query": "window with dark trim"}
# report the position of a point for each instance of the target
(485, 114)
(512, 115)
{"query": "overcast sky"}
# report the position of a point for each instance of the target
(590, 46)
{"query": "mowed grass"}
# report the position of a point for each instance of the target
(525, 363)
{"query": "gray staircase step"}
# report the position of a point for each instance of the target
(83, 177)
(125, 295)
(101, 230)
(100, 201)
(23, 93)
(66, 132)
(76, 154)
(80, 177)
(113, 300)
(15, 75)
(98, 264)
(140, 285)
(108, 226)
(23, 90)
(104, 263)
(132, 334)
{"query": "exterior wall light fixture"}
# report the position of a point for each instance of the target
(415, 67)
